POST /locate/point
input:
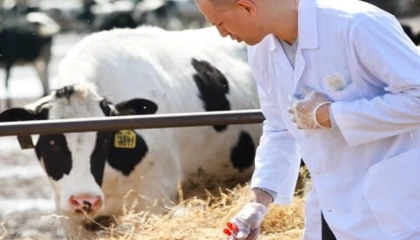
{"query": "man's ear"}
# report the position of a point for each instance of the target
(248, 6)
(17, 114)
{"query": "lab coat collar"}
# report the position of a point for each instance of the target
(307, 26)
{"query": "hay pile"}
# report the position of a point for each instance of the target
(204, 219)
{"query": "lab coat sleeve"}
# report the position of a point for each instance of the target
(385, 57)
(277, 162)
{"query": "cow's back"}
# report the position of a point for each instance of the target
(157, 65)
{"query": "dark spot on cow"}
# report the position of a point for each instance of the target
(122, 155)
(213, 87)
(243, 154)
(65, 92)
(125, 160)
(99, 156)
(54, 152)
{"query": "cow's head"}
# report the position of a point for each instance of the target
(74, 162)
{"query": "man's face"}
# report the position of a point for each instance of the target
(237, 19)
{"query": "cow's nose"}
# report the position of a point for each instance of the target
(85, 203)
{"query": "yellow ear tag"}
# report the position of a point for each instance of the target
(125, 139)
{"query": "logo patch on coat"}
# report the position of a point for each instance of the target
(335, 82)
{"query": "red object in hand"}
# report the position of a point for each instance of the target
(231, 228)
(227, 232)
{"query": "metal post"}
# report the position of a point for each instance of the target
(131, 122)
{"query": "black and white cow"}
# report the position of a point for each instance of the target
(106, 15)
(143, 71)
(27, 39)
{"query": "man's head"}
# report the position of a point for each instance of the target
(249, 20)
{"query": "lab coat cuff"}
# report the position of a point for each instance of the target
(334, 125)
(279, 199)
(272, 193)
(344, 124)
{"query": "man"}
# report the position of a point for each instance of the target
(339, 85)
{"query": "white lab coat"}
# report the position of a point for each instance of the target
(366, 175)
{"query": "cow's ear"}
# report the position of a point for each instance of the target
(17, 114)
(137, 106)
(108, 108)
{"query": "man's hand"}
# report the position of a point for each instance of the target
(246, 224)
(311, 110)
(246, 221)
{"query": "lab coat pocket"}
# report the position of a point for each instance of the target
(341, 88)
(347, 93)
(392, 190)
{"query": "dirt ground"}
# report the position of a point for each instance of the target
(25, 197)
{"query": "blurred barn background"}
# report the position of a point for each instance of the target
(35, 35)
(22, 22)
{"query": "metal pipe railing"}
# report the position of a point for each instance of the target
(131, 122)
